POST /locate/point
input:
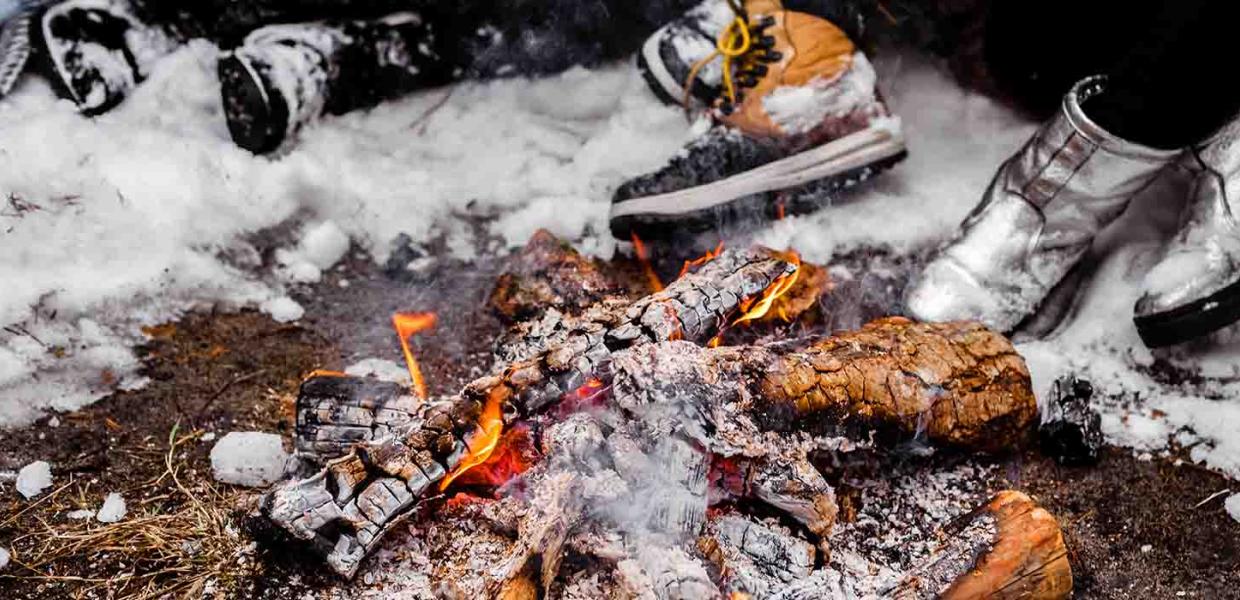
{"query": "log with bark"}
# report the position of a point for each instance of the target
(762, 407)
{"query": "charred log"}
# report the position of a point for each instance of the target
(549, 274)
(1009, 548)
(955, 384)
(334, 412)
(1072, 431)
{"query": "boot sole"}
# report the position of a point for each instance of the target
(247, 107)
(817, 172)
(660, 80)
(1214, 312)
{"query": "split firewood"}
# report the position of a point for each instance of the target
(954, 384)
(1008, 549)
(549, 273)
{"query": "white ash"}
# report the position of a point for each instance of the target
(899, 518)
(248, 458)
(33, 478)
(113, 509)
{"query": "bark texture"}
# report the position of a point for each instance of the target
(1008, 549)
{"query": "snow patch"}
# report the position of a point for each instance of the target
(381, 369)
(1232, 506)
(33, 478)
(248, 458)
(283, 309)
(113, 509)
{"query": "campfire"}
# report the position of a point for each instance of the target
(625, 448)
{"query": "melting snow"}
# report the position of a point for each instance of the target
(113, 509)
(248, 458)
(33, 478)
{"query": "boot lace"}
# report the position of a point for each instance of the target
(744, 49)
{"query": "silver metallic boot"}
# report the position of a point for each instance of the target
(1195, 289)
(1036, 220)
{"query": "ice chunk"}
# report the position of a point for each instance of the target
(248, 458)
(283, 309)
(4, 558)
(113, 509)
(34, 478)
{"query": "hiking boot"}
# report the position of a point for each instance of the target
(283, 77)
(1195, 288)
(667, 57)
(98, 50)
(1036, 220)
(796, 117)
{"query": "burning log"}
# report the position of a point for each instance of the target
(336, 411)
(956, 384)
(755, 558)
(1009, 548)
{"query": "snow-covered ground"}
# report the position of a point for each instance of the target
(136, 216)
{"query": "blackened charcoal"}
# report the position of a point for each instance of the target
(1072, 432)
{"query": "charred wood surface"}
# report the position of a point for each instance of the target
(1008, 549)
(549, 274)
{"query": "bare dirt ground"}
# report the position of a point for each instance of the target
(1134, 528)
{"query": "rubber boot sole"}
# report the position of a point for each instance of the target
(799, 184)
(1194, 320)
(257, 121)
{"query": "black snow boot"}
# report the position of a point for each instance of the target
(285, 76)
(96, 51)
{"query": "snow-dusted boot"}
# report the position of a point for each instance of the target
(1036, 220)
(668, 56)
(285, 76)
(797, 116)
(1195, 289)
(98, 50)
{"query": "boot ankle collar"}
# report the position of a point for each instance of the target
(1080, 93)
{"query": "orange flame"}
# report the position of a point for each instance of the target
(644, 258)
(701, 260)
(481, 443)
(758, 309)
(406, 325)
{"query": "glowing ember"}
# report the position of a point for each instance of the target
(644, 258)
(512, 456)
(326, 373)
(481, 443)
(406, 325)
(701, 260)
(758, 309)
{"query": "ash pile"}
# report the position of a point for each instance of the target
(708, 440)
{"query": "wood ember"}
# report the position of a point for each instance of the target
(755, 558)
(1009, 548)
(549, 273)
(334, 412)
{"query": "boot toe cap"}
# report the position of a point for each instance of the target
(946, 291)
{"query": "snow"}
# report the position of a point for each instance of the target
(283, 309)
(82, 513)
(248, 458)
(1232, 506)
(33, 478)
(798, 109)
(113, 509)
(4, 558)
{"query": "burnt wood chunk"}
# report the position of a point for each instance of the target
(1008, 549)
(336, 411)
(549, 274)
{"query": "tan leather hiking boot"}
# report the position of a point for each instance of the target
(797, 118)
(796, 50)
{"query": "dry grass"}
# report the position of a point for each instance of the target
(179, 540)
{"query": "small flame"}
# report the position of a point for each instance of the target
(758, 309)
(325, 373)
(644, 258)
(406, 325)
(715, 341)
(701, 260)
(481, 443)
(779, 210)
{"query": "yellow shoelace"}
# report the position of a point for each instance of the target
(732, 44)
